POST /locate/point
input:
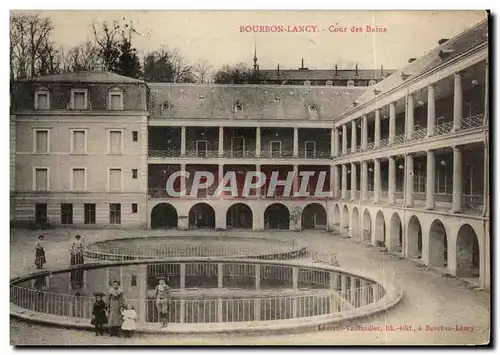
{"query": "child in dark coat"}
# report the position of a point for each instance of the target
(99, 318)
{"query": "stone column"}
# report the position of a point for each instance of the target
(183, 182)
(182, 276)
(257, 190)
(257, 276)
(333, 152)
(332, 180)
(344, 181)
(220, 275)
(409, 180)
(354, 142)
(364, 132)
(257, 142)
(183, 141)
(336, 186)
(431, 110)
(392, 180)
(336, 140)
(376, 183)
(221, 141)
(295, 142)
(364, 180)
(410, 123)
(344, 139)
(353, 181)
(457, 102)
(295, 187)
(377, 128)
(457, 179)
(392, 122)
(431, 179)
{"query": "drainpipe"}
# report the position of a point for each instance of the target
(486, 190)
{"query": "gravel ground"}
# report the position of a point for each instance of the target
(434, 310)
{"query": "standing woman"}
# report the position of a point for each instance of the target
(162, 295)
(40, 259)
(116, 302)
(76, 251)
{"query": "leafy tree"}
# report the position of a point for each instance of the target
(163, 65)
(128, 62)
(238, 74)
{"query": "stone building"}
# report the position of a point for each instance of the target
(406, 159)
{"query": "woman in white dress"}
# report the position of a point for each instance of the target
(129, 318)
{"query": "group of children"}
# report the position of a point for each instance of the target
(100, 314)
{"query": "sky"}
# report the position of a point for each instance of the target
(215, 36)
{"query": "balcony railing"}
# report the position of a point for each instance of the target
(347, 194)
(370, 195)
(420, 134)
(473, 121)
(443, 128)
(399, 195)
(370, 146)
(384, 142)
(472, 204)
(355, 194)
(399, 139)
(170, 153)
(160, 153)
(384, 195)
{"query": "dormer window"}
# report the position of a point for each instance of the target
(350, 83)
(371, 82)
(164, 107)
(313, 108)
(79, 99)
(307, 82)
(42, 99)
(238, 106)
(115, 99)
(201, 97)
(277, 100)
(329, 83)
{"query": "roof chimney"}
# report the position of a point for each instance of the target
(278, 69)
(442, 40)
(336, 70)
(381, 70)
(302, 66)
(356, 69)
(412, 60)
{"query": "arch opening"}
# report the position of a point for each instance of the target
(367, 226)
(438, 245)
(380, 229)
(164, 216)
(355, 223)
(345, 218)
(467, 252)
(202, 215)
(239, 216)
(396, 234)
(314, 217)
(277, 216)
(414, 238)
(336, 215)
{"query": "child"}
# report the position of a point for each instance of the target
(99, 317)
(162, 295)
(129, 318)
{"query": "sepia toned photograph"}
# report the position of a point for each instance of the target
(249, 177)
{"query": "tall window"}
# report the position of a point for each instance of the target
(134, 208)
(134, 173)
(41, 141)
(42, 100)
(41, 179)
(78, 179)
(115, 179)
(66, 213)
(115, 213)
(79, 142)
(135, 136)
(115, 142)
(89, 213)
(41, 213)
(115, 100)
(79, 99)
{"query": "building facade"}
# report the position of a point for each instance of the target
(406, 160)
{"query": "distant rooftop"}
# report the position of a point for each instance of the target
(86, 77)
(303, 74)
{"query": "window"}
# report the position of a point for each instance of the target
(40, 213)
(329, 83)
(89, 213)
(238, 106)
(372, 82)
(133, 281)
(79, 142)
(201, 149)
(134, 208)
(115, 179)
(350, 83)
(275, 148)
(78, 183)
(79, 99)
(134, 173)
(41, 141)
(115, 142)
(41, 180)
(42, 100)
(307, 82)
(66, 213)
(135, 136)
(115, 100)
(115, 213)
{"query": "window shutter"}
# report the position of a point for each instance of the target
(41, 180)
(79, 142)
(41, 141)
(78, 179)
(115, 142)
(115, 179)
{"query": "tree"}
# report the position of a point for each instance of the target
(238, 74)
(84, 57)
(128, 63)
(107, 38)
(163, 65)
(201, 71)
(31, 51)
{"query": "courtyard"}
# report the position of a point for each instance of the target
(431, 301)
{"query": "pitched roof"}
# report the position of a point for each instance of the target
(457, 45)
(86, 77)
(257, 101)
(323, 74)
